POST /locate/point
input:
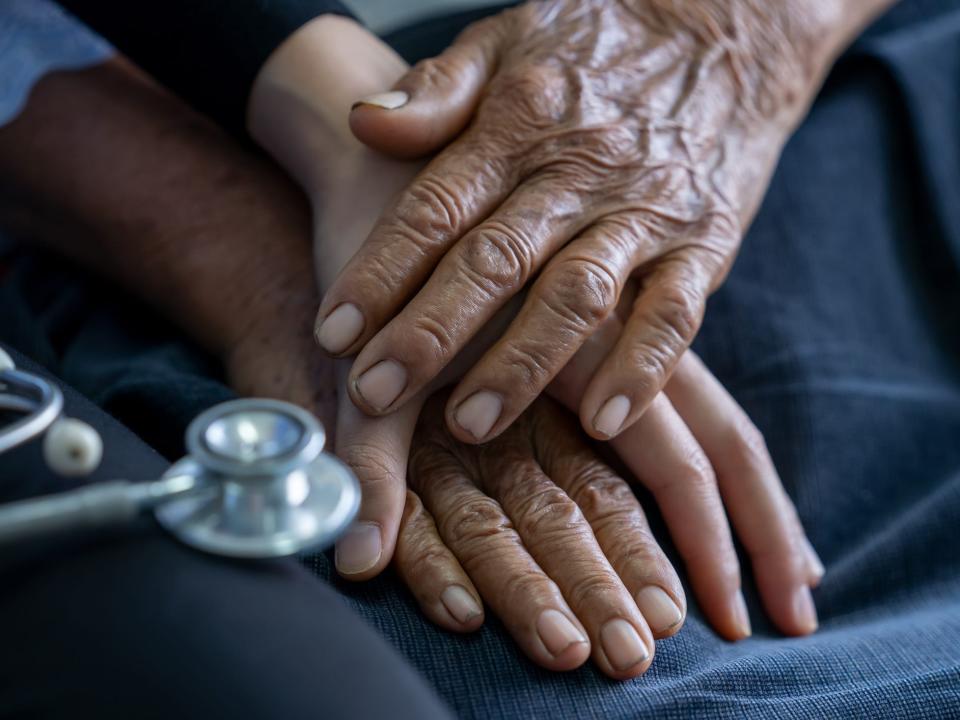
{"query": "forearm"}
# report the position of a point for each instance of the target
(110, 170)
(300, 114)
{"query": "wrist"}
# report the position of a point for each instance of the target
(301, 99)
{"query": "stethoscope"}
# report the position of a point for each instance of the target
(255, 482)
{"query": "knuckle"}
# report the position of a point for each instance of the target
(696, 472)
(692, 476)
(528, 362)
(679, 310)
(581, 292)
(385, 269)
(643, 552)
(601, 495)
(374, 468)
(474, 521)
(430, 332)
(546, 512)
(430, 463)
(650, 360)
(534, 94)
(434, 71)
(589, 157)
(527, 589)
(498, 257)
(429, 212)
(594, 586)
(425, 560)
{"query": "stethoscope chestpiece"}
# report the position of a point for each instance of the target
(263, 485)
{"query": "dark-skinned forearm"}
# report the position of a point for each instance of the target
(113, 172)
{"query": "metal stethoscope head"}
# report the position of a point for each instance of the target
(255, 483)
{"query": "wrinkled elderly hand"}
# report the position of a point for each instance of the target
(552, 540)
(606, 139)
(695, 449)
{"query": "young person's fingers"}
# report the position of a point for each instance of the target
(662, 452)
(762, 513)
(376, 449)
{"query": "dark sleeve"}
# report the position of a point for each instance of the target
(207, 51)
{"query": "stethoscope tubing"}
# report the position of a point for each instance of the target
(287, 501)
(43, 411)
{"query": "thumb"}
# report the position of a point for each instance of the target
(376, 449)
(430, 105)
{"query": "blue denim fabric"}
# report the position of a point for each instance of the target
(838, 331)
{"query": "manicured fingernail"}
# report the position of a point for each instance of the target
(660, 612)
(557, 632)
(803, 610)
(460, 603)
(382, 384)
(611, 416)
(340, 328)
(478, 413)
(386, 100)
(741, 616)
(622, 644)
(359, 549)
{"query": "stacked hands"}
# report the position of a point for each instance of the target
(594, 167)
(517, 232)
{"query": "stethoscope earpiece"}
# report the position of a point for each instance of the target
(72, 448)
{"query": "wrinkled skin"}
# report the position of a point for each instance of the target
(533, 522)
(606, 140)
(694, 449)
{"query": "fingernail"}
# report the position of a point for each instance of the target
(803, 610)
(382, 384)
(611, 416)
(660, 612)
(359, 549)
(622, 644)
(741, 616)
(460, 603)
(557, 632)
(478, 413)
(386, 100)
(340, 328)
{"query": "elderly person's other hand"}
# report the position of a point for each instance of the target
(604, 139)
(551, 538)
